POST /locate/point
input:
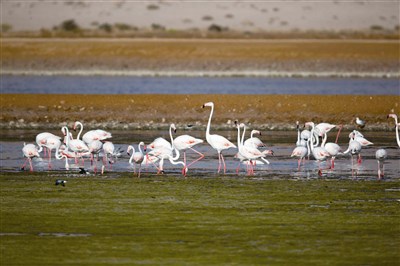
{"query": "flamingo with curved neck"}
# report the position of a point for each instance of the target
(217, 142)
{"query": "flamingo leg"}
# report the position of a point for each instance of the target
(223, 161)
(49, 166)
(30, 164)
(359, 158)
(219, 162)
(298, 164)
(23, 166)
(139, 170)
(198, 159)
(238, 168)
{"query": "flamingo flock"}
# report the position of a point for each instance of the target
(251, 151)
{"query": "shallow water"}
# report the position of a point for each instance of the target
(281, 164)
(196, 85)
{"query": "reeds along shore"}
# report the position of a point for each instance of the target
(154, 111)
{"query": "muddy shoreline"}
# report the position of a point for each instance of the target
(272, 112)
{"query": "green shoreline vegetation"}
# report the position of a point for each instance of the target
(197, 221)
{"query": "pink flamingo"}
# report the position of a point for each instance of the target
(217, 142)
(301, 150)
(41, 140)
(381, 156)
(184, 142)
(30, 151)
(249, 152)
(354, 149)
(97, 134)
(76, 145)
(94, 149)
(52, 143)
(137, 156)
(320, 154)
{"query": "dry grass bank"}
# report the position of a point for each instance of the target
(192, 54)
(147, 111)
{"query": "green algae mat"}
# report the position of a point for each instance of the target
(206, 220)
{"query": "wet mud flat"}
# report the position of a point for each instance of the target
(216, 220)
(272, 112)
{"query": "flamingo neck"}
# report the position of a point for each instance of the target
(209, 121)
(130, 147)
(67, 134)
(298, 135)
(238, 136)
(324, 140)
(312, 137)
(170, 135)
(243, 134)
(140, 149)
(80, 130)
(397, 134)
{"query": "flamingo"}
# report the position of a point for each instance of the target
(254, 141)
(248, 152)
(321, 129)
(332, 148)
(394, 116)
(109, 149)
(184, 142)
(52, 143)
(357, 136)
(320, 153)
(94, 148)
(300, 151)
(137, 156)
(76, 145)
(217, 142)
(161, 150)
(97, 134)
(41, 140)
(30, 151)
(381, 156)
(354, 149)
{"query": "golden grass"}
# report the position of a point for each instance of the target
(22, 49)
(262, 110)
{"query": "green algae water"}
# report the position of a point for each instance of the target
(218, 220)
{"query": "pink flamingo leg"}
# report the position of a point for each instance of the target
(23, 166)
(223, 161)
(195, 161)
(219, 162)
(30, 164)
(298, 164)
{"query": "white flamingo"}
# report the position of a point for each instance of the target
(300, 151)
(381, 156)
(332, 148)
(29, 151)
(94, 148)
(217, 142)
(161, 150)
(184, 142)
(41, 139)
(75, 145)
(394, 116)
(354, 149)
(137, 156)
(97, 134)
(254, 141)
(320, 154)
(52, 143)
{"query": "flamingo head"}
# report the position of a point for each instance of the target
(254, 131)
(309, 124)
(209, 104)
(172, 126)
(394, 116)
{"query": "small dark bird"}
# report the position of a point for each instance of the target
(60, 182)
(360, 123)
(82, 171)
